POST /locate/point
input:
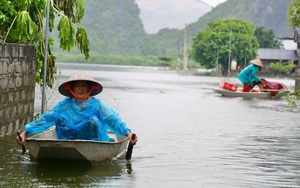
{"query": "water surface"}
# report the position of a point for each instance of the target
(189, 136)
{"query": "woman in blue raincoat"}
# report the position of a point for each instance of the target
(248, 75)
(80, 115)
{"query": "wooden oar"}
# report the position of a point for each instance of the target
(272, 90)
(23, 147)
(129, 149)
(262, 90)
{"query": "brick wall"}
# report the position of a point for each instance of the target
(17, 86)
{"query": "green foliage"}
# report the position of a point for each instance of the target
(267, 38)
(7, 16)
(68, 7)
(51, 69)
(26, 28)
(66, 33)
(96, 58)
(293, 98)
(166, 59)
(83, 42)
(294, 14)
(22, 21)
(216, 40)
(283, 69)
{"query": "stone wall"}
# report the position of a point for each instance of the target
(17, 86)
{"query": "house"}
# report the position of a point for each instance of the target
(289, 54)
(268, 56)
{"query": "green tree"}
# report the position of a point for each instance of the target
(221, 37)
(294, 14)
(294, 20)
(266, 38)
(22, 21)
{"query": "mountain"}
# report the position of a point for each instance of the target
(172, 14)
(271, 14)
(115, 27)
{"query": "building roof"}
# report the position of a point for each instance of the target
(277, 54)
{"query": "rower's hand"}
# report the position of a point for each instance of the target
(23, 137)
(132, 141)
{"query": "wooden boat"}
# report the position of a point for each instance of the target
(260, 95)
(45, 146)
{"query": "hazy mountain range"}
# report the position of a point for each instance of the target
(119, 26)
(173, 14)
(159, 14)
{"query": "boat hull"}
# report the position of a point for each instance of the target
(45, 146)
(260, 95)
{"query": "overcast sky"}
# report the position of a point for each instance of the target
(209, 2)
(213, 2)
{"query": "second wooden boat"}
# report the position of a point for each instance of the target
(260, 95)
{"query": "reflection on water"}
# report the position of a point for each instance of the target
(75, 173)
(189, 136)
(17, 171)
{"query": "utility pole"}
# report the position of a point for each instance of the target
(229, 51)
(218, 63)
(178, 52)
(185, 55)
(45, 58)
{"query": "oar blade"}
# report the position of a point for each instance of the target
(129, 149)
(23, 147)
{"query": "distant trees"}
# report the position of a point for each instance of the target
(22, 21)
(221, 37)
(266, 38)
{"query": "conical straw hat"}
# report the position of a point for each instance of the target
(257, 62)
(80, 76)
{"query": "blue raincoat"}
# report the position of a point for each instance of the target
(248, 75)
(74, 119)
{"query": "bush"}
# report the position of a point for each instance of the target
(282, 69)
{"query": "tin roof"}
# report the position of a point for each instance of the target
(277, 54)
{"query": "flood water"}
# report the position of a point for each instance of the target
(189, 136)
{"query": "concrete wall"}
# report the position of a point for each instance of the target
(17, 86)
